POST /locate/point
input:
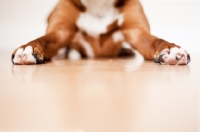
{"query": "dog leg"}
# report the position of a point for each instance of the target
(60, 31)
(137, 32)
(37, 51)
(153, 48)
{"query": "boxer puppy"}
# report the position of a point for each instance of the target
(98, 28)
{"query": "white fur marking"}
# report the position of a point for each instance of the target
(99, 14)
(74, 54)
(126, 45)
(174, 52)
(24, 55)
(96, 7)
(80, 39)
(118, 36)
(28, 53)
(18, 56)
(61, 54)
(120, 19)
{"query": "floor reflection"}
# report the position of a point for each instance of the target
(101, 95)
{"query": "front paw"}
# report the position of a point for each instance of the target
(29, 54)
(173, 56)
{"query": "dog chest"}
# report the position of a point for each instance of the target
(98, 16)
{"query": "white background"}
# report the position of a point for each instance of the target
(176, 21)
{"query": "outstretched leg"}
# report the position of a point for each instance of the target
(159, 50)
(137, 33)
(37, 51)
(60, 32)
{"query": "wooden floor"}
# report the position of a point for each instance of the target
(102, 95)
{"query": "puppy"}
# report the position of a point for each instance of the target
(98, 28)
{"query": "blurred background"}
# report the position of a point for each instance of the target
(176, 21)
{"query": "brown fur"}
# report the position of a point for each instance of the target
(62, 29)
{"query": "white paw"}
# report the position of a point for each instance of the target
(24, 56)
(173, 56)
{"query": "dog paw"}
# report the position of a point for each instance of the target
(29, 54)
(173, 56)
